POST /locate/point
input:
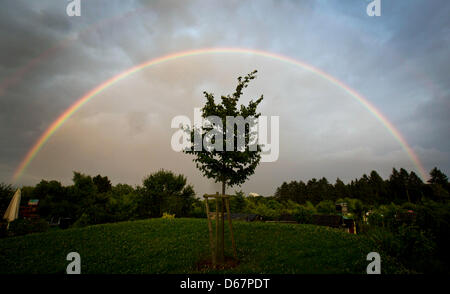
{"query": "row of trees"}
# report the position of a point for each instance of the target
(94, 200)
(400, 187)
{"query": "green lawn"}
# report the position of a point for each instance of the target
(176, 245)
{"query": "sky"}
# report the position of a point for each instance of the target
(398, 61)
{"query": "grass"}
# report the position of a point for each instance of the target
(176, 245)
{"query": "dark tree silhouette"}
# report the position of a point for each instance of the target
(103, 184)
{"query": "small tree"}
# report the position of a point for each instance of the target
(229, 167)
(164, 191)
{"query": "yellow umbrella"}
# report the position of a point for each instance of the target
(12, 212)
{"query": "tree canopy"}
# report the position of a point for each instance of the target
(231, 167)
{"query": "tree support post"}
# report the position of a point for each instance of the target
(218, 249)
(211, 241)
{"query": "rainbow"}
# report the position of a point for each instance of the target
(31, 154)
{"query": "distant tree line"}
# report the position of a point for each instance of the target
(94, 200)
(372, 190)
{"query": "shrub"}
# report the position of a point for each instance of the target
(303, 215)
(375, 218)
(326, 206)
(415, 243)
(386, 216)
(198, 211)
(310, 206)
(266, 212)
(385, 240)
(433, 218)
(168, 215)
(25, 226)
(409, 245)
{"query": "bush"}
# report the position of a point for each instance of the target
(433, 218)
(198, 212)
(409, 245)
(387, 216)
(384, 240)
(168, 215)
(303, 215)
(267, 212)
(415, 243)
(326, 207)
(375, 218)
(198, 209)
(25, 226)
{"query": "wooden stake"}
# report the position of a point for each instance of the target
(217, 229)
(221, 256)
(211, 241)
(222, 205)
(227, 201)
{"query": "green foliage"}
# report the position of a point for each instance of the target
(25, 226)
(269, 211)
(415, 243)
(238, 202)
(355, 207)
(419, 230)
(165, 191)
(384, 240)
(168, 215)
(326, 207)
(122, 203)
(375, 218)
(303, 215)
(225, 166)
(102, 183)
(310, 206)
(55, 200)
(94, 200)
(409, 245)
(434, 219)
(371, 190)
(438, 177)
(198, 209)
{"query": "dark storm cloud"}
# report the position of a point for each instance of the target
(43, 68)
